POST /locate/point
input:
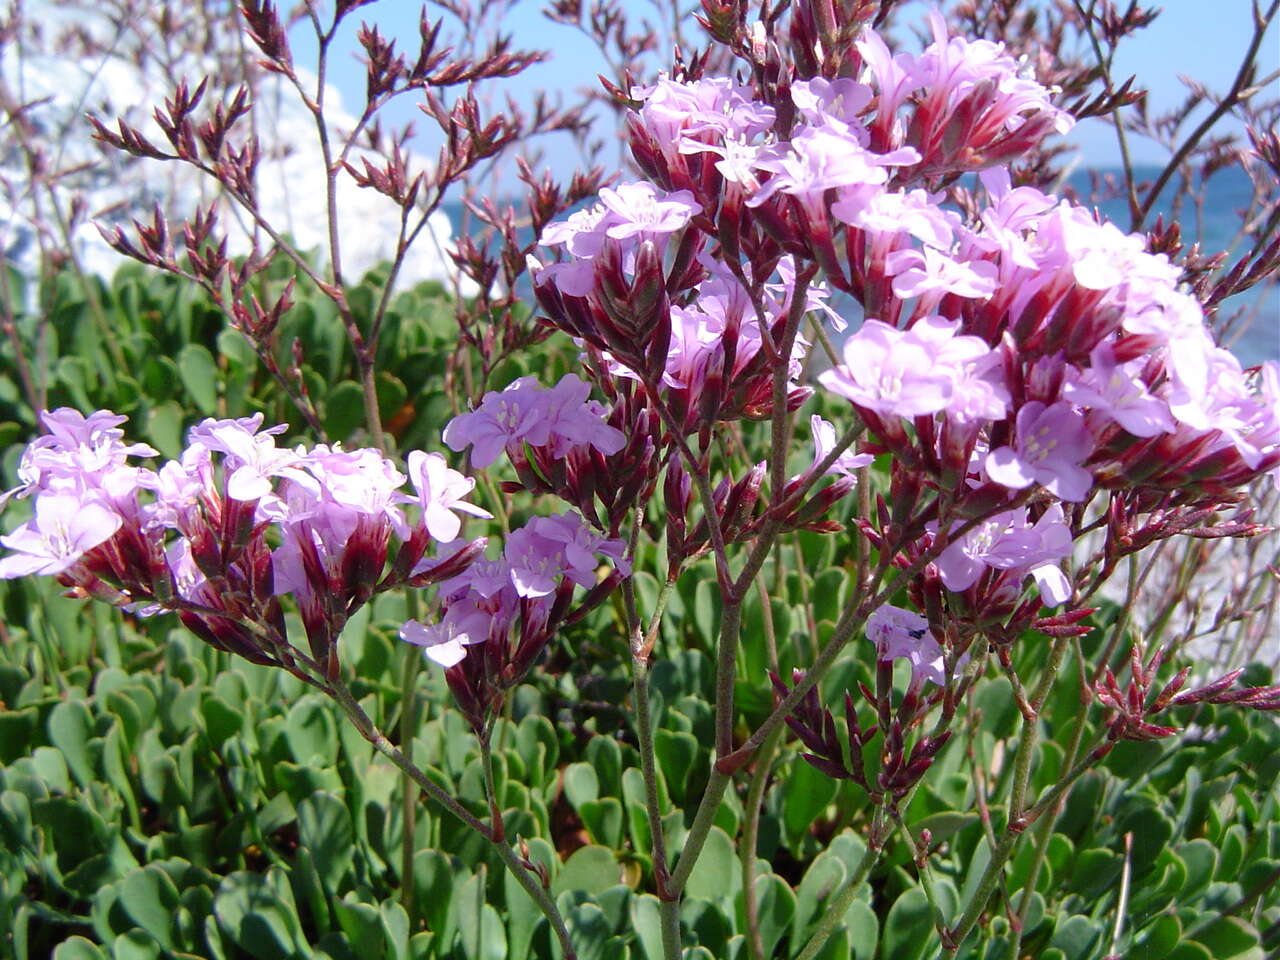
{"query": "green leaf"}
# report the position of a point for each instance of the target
(806, 795)
(1230, 937)
(359, 921)
(590, 869)
(164, 428)
(233, 345)
(136, 944)
(864, 930)
(258, 914)
(581, 784)
(1075, 936)
(150, 898)
(646, 920)
(200, 376)
(343, 410)
(603, 820)
(676, 753)
(716, 877)
(324, 829)
(777, 908)
(77, 948)
(70, 728)
(604, 754)
(1158, 938)
(589, 931)
(1201, 859)
(908, 929)
(311, 732)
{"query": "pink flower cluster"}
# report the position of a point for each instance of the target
(192, 536)
(1021, 356)
(508, 609)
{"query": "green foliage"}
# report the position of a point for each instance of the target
(158, 349)
(161, 799)
(158, 798)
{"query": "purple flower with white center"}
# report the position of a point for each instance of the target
(952, 67)
(177, 487)
(894, 77)
(63, 529)
(839, 102)
(517, 414)
(252, 458)
(902, 634)
(738, 159)
(80, 455)
(824, 440)
(711, 106)
(642, 208)
(560, 418)
(908, 373)
(929, 273)
(440, 492)
(1008, 541)
(582, 233)
(361, 479)
(981, 393)
(444, 643)
(577, 420)
(815, 295)
(1118, 391)
(548, 548)
(820, 158)
(1050, 444)
(891, 213)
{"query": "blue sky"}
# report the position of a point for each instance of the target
(1185, 39)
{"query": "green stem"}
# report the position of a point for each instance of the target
(669, 913)
(409, 795)
(834, 913)
(355, 713)
(1018, 817)
(750, 837)
(1044, 833)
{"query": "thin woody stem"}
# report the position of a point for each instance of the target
(355, 713)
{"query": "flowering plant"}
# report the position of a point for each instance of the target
(1033, 399)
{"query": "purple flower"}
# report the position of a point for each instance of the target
(444, 643)
(1118, 391)
(517, 414)
(560, 418)
(824, 439)
(549, 548)
(713, 107)
(909, 373)
(641, 208)
(63, 529)
(582, 233)
(1050, 444)
(885, 212)
(1008, 542)
(902, 634)
(837, 102)
(929, 273)
(440, 492)
(252, 458)
(820, 158)
(80, 455)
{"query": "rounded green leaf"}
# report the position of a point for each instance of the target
(77, 948)
(200, 376)
(590, 869)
